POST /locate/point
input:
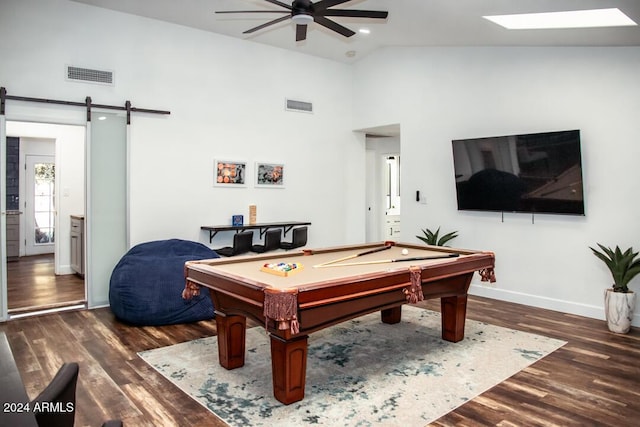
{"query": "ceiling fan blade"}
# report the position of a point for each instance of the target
(356, 13)
(301, 32)
(324, 4)
(279, 3)
(253, 11)
(259, 27)
(333, 26)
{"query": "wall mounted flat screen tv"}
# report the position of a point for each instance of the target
(536, 173)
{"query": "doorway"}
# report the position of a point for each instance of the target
(39, 212)
(391, 176)
(383, 185)
(50, 189)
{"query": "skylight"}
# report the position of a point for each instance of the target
(569, 19)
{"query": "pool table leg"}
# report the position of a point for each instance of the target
(231, 340)
(454, 313)
(289, 368)
(391, 315)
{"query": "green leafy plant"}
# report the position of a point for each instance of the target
(434, 238)
(623, 266)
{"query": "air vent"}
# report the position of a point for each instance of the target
(300, 106)
(90, 76)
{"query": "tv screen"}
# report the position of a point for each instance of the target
(540, 172)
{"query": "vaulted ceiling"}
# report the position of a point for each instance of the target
(410, 23)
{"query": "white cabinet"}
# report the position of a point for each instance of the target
(13, 235)
(77, 244)
(392, 227)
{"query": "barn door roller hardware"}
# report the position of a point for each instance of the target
(87, 104)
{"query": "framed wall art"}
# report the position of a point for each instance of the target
(229, 173)
(269, 175)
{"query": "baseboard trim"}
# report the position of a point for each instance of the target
(591, 311)
(64, 270)
(53, 309)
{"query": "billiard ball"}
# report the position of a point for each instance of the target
(405, 252)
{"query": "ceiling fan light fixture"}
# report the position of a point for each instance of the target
(302, 19)
(305, 12)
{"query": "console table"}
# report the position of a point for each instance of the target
(263, 227)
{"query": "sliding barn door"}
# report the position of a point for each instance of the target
(3, 222)
(106, 216)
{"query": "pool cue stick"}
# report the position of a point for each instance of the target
(385, 261)
(372, 251)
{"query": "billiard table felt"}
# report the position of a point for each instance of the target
(248, 268)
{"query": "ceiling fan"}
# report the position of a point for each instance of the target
(304, 12)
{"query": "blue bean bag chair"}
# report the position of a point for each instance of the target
(146, 285)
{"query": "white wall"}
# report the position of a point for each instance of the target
(440, 94)
(226, 98)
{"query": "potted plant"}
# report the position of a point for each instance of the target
(434, 238)
(619, 301)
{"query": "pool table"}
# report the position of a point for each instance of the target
(329, 286)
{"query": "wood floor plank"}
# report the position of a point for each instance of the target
(576, 371)
(33, 285)
(593, 380)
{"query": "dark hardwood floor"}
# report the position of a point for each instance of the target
(594, 380)
(32, 285)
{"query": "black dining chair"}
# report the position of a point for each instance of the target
(298, 239)
(271, 241)
(55, 406)
(242, 243)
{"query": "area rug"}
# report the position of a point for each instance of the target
(359, 373)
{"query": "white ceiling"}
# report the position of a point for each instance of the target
(410, 23)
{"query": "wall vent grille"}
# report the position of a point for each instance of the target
(88, 75)
(299, 106)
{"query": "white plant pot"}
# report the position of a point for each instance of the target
(618, 310)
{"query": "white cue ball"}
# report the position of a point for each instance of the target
(405, 252)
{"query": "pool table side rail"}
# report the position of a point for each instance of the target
(336, 249)
(482, 262)
(419, 246)
(309, 294)
(237, 295)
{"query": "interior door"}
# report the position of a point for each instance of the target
(3, 221)
(40, 209)
(107, 201)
